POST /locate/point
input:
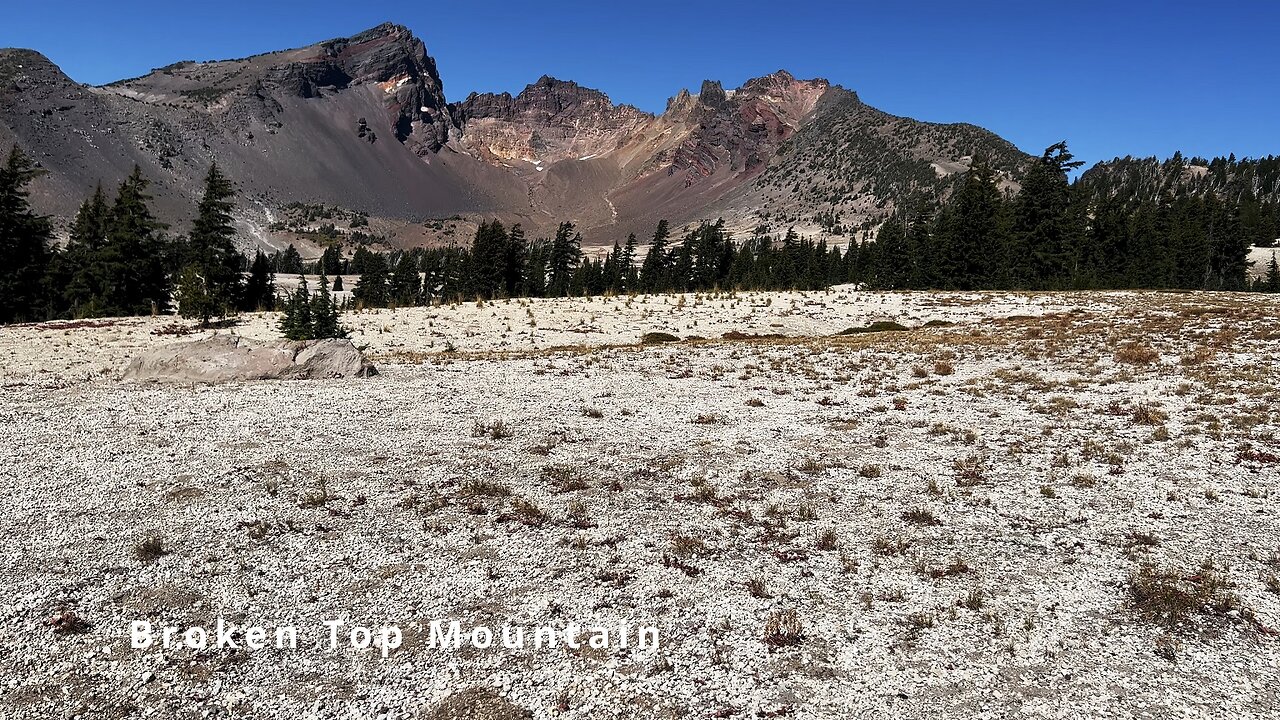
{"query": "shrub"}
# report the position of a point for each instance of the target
(1136, 354)
(149, 549)
(783, 629)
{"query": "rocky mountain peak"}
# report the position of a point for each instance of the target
(22, 69)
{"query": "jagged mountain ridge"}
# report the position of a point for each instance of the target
(363, 123)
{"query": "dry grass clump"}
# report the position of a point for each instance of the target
(970, 471)
(149, 549)
(828, 541)
(1173, 597)
(525, 512)
(685, 546)
(783, 629)
(1136, 354)
(563, 478)
(1147, 415)
(943, 367)
(757, 587)
(885, 545)
(495, 429)
(921, 516)
(479, 487)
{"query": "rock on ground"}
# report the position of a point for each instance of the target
(230, 358)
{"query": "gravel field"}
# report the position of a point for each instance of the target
(1042, 506)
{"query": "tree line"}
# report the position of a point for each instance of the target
(1050, 235)
(119, 260)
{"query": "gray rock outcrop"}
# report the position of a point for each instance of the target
(231, 358)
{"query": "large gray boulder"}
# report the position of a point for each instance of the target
(230, 358)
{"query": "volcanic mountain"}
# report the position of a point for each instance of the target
(358, 130)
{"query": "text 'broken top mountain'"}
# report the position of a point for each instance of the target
(363, 123)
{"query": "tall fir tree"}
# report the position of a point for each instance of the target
(211, 259)
(562, 262)
(26, 241)
(405, 286)
(260, 288)
(1044, 234)
(135, 257)
(372, 288)
(653, 271)
(296, 323)
(324, 313)
(81, 281)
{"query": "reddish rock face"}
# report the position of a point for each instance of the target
(549, 121)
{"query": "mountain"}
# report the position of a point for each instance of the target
(359, 131)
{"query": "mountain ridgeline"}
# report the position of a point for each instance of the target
(363, 123)
(350, 151)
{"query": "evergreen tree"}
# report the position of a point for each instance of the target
(25, 240)
(135, 255)
(81, 277)
(892, 259)
(331, 260)
(653, 270)
(971, 230)
(324, 313)
(406, 284)
(372, 289)
(296, 323)
(337, 283)
(515, 260)
(290, 262)
(1272, 278)
(627, 264)
(562, 262)
(212, 254)
(489, 260)
(260, 289)
(1045, 236)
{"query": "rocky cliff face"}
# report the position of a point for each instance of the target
(363, 123)
(549, 121)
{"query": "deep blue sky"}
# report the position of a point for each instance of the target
(1112, 78)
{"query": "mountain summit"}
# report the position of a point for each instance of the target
(362, 123)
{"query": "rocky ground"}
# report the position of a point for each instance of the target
(1058, 505)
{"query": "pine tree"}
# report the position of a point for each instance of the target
(892, 259)
(212, 254)
(81, 279)
(135, 255)
(25, 240)
(372, 289)
(562, 264)
(627, 264)
(971, 230)
(489, 260)
(290, 262)
(1272, 278)
(1045, 235)
(331, 260)
(296, 323)
(515, 266)
(406, 284)
(260, 289)
(653, 270)
(324, 313)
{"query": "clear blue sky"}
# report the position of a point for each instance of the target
(1112, 78)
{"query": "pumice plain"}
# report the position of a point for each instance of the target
(356, 367)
